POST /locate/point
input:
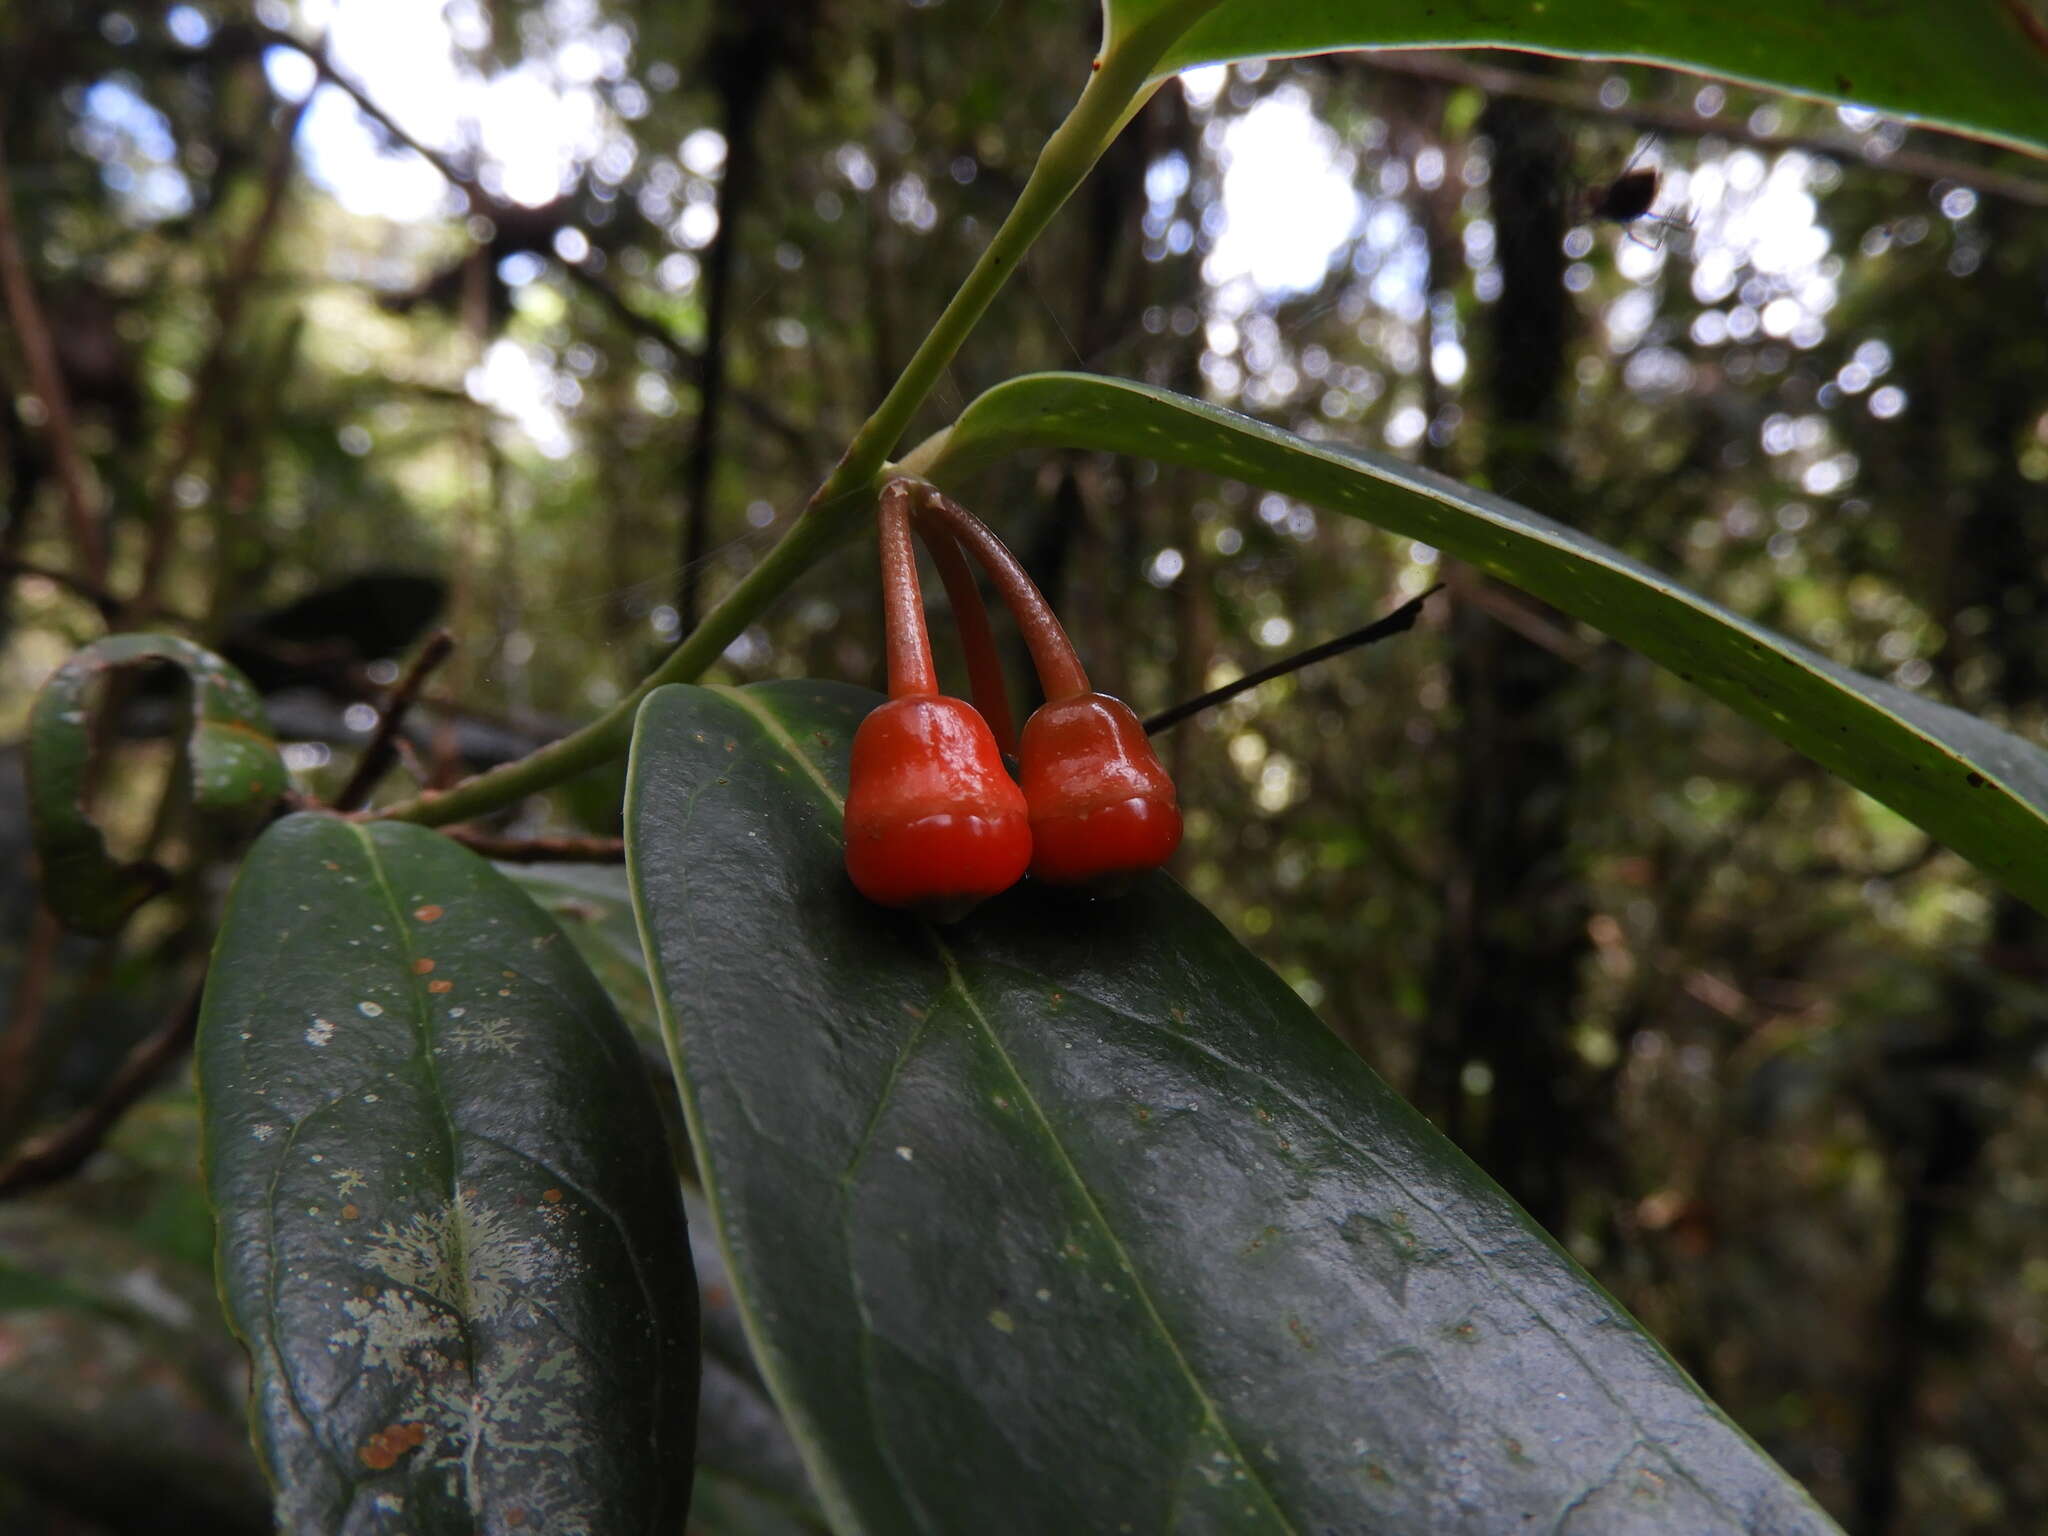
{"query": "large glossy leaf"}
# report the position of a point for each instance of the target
(449, 1230)
(1981, 790)
(234, 765)
(1074, 1218)
(1980, 66)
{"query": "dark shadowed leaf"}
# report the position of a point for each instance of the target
(1981, 790)
(1982, 69)
(449, 1230)
(233, 762)
(1074, 1218)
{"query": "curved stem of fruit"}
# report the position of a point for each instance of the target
(984, 663)
(1060, 672)
(909, 647)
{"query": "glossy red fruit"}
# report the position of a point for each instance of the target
(1103, 809)
(933, 822)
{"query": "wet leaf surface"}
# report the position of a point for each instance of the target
(449, 1230)
(1074, 1218)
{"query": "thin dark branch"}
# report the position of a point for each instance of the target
(1401, 619)
(229, 294)
(316, 55)
(689, 363)
(1680, 122)
(541, 850)
(63, 1151)
(382, 752)
(108, 604)
(41, 353)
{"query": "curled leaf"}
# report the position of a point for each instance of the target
(235, 772)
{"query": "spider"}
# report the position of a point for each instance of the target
(1628, 200)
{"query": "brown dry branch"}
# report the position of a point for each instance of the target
(382, 751)
(41, 353)
(63, 1151)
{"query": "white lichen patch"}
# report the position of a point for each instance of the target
(486, 1036)
(348, 1180)
(463, 1255)
(483, 1373)
(319, 1032)
(370, 1010)
(263, 1131)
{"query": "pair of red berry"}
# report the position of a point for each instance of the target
(934, 821)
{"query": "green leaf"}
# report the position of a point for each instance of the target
(449, 1231)
(741, 1439)
(1980, 790)
(1982, 68)
(1076, 1219)
(594, 907)
(235, 772)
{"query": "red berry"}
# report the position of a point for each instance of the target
(933, 822)
(1102, 806)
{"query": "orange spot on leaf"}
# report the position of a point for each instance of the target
(552, 1196)
(382, 1450)
(427, 914)
(440, 986)
(421, 966)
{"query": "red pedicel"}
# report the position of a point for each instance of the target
(934, 822)
(1103, 808)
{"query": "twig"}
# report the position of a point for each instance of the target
(542, 850)
(382, 752)
(41, 353)
(65, 1150)
(1401, 619)
(108, 604)
(316, 55)
(233, 288)
(1682, 123)
(481, 201)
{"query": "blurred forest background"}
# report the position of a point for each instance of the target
(1770, 1064)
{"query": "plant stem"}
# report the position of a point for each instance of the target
(809, 539)
(909, 646)
(977, 640)
(1113, 92)
(1060, 673)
